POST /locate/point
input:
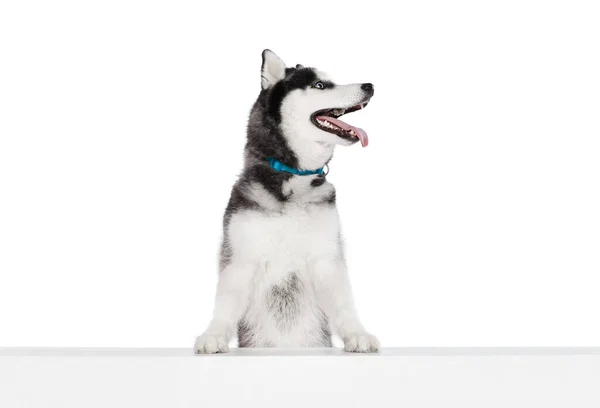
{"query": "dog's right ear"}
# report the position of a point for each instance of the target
(273, 69)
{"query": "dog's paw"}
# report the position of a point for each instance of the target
(211, 344)
(361, 343)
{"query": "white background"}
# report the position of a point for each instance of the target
(472, 218)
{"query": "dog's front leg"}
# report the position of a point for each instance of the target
(335, 298)
(233, 289)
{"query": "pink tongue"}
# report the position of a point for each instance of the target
(361, 134)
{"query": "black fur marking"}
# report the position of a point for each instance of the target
(325, 332)
(271, 180)
(318, 181)
(331, 198)
(290, 71)
(283, 300)
(264, 136)
(301, 78)
(295, 79)
(328, 84)
(225, 254)
(237, 201)
(247, 336)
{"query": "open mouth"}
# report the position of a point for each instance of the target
(327, 120)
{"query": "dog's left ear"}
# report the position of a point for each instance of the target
(273, 69)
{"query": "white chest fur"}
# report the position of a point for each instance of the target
(282, 245)
(293, 236)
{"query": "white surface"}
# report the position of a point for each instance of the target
(471, 219)
(304, 352)
(417, 377)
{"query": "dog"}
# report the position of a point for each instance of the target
(282, 274)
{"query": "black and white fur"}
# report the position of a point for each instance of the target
(283, 279)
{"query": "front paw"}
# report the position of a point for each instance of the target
(361, 343)
(211, 344)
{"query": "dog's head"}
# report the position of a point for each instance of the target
(303, 106)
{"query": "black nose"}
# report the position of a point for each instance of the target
(367, 87)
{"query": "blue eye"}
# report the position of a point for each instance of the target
(319, 85)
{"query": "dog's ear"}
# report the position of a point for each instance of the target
(273, 69)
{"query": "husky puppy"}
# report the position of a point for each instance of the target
(283, 279)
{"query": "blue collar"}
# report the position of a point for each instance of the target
(279, 166)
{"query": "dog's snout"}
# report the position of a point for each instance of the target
(367, 87)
